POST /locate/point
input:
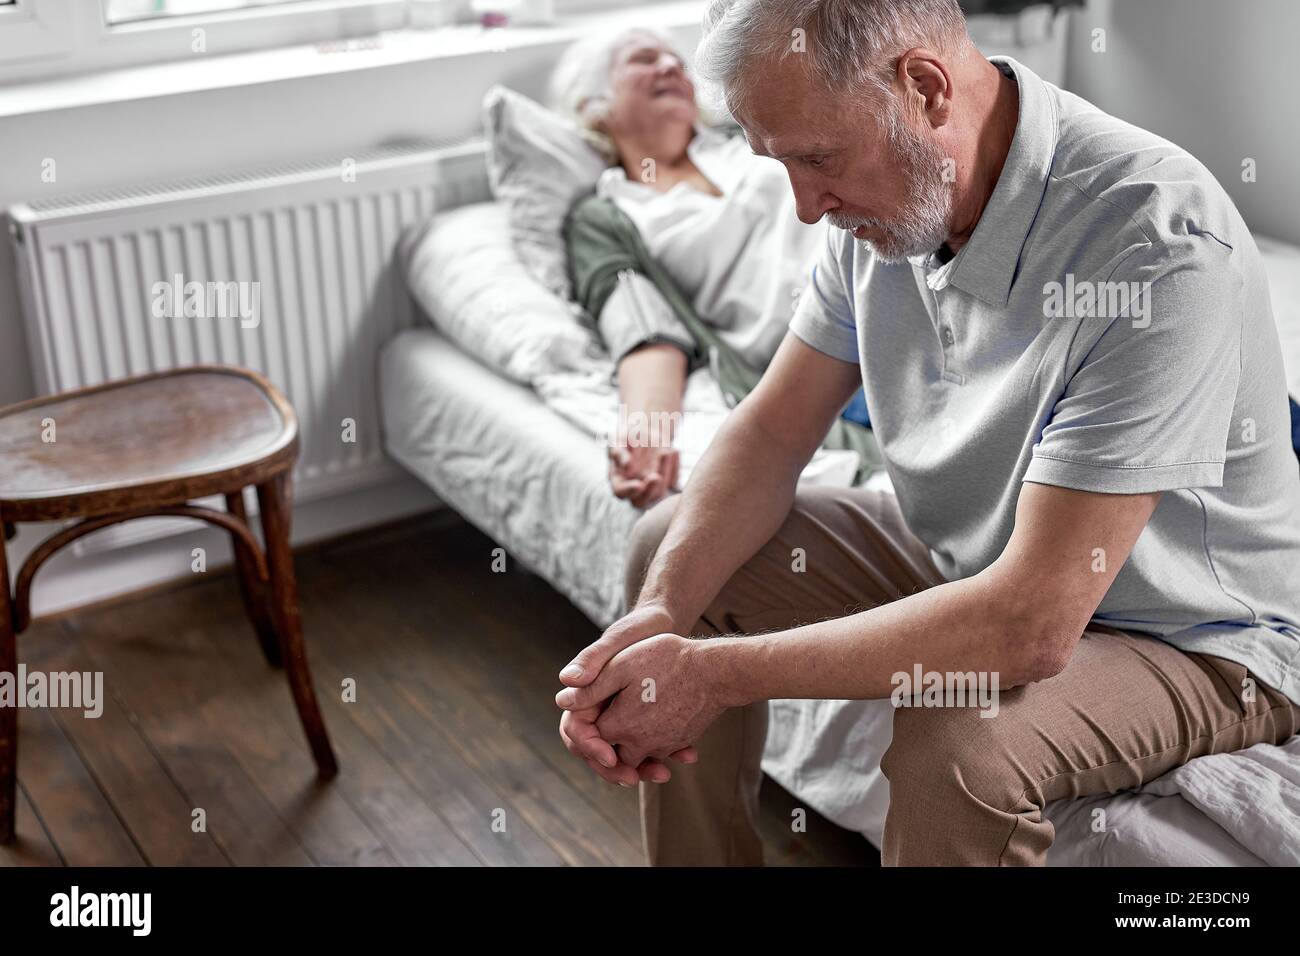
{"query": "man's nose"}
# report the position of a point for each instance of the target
(811, 202)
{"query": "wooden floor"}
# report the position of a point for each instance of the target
(453, 726)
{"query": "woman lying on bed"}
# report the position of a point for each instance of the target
(717, 222)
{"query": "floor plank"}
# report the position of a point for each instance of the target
(435, 683)
(32, 846)
(410, 828)
(80, 821)
(510, 661)
(455, 670)
(427, 760)
(820, 843)
(241, 713)
(130, 774)
(152, 671)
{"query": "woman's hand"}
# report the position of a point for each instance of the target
(643, 474)
(643, 464)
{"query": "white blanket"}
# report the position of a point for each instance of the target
(590, 401)
(1253, 794)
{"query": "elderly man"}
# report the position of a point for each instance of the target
(1064, 333)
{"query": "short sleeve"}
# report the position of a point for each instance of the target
(824, 317)
(1149, 406)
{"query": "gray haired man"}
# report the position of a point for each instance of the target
(1063, 329)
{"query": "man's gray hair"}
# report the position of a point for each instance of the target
(580, 88)
(848, 44)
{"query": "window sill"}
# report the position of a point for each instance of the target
(392, 48)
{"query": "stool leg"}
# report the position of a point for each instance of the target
(275, 499)
(8, 715)
(252, 588)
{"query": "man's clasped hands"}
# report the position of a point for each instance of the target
(636, 698)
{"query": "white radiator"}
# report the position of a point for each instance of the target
(317, 241)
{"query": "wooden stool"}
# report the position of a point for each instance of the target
(147, 446)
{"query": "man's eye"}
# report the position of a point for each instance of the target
(816, 162)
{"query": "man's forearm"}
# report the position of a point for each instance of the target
(962, 626)
(740, 493)
(1020, 617)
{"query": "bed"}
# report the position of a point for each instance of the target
(507, 430)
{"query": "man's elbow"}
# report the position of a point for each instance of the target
(1042, 636)
(1054, 649)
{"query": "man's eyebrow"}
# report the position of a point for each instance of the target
(811, 149)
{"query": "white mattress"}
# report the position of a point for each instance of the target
(536, 483)
(509, 464)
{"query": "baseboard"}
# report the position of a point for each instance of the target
(70, 580)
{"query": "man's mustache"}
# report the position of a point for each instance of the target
(849, 223)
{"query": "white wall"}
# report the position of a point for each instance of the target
(1214, 76)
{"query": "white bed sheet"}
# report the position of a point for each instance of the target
(509, 464)
(536, 483)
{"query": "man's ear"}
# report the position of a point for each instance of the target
(924, 76)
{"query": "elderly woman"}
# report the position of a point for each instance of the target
(718, 222)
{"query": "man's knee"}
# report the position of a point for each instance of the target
(959, 790)
(937, 752)
(644, 541)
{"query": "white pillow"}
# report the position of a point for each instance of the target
(464, 272)
(538, 163)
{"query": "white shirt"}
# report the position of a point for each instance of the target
(742, 258)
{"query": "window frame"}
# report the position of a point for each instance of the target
(29, 31)
(52, 39)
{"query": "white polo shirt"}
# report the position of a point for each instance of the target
(1107, 328)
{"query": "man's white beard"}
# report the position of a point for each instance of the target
(922, 224)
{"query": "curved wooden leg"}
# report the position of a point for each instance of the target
(275, 499)
(251, 586)
(8, 715)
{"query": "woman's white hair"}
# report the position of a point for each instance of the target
(848, 44)
(580, 87)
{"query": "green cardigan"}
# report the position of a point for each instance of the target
(601, 241)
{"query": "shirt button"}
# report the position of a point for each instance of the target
(948, 337)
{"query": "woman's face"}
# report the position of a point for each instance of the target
(648, 88)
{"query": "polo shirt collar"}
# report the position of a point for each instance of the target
(986, 266)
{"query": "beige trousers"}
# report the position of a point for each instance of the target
(964, 789)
